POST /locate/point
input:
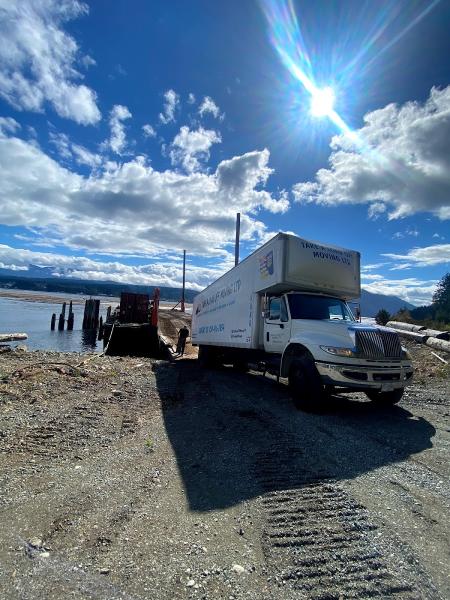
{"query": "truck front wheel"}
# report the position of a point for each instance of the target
(385, 398)
(304, 382)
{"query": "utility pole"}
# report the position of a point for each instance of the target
(238, 233)
(184, 281)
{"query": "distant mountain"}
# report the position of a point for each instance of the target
(33, 271)
(372, 303)
(88, 287)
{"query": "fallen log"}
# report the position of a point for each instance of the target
(405, 326)
(438, 344)
(434, 333)
(12, 337)
(410, 335)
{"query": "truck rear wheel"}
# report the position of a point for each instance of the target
(304, 382)
(385, 398)
(207, 357)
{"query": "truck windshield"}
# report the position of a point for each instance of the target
(306, 306)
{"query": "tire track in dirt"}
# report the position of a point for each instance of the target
(319, 542)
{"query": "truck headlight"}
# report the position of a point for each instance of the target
(347, 352)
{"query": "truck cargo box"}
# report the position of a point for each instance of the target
(228, 312)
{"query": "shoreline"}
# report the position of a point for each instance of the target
(54, 297)
(77, 299)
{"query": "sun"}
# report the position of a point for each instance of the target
(322, 102)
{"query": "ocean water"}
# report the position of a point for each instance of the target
(33, 318)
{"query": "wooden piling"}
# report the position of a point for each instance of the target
(62, 318)
(71, 318)
(91, 314)
(53, 322)
(100, 329)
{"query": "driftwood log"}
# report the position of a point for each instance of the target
(434, 333)
(405, 326)
(410, 335)
(12, 337)
(438, 344)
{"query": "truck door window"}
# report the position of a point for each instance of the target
(336, 312)
(274, 309)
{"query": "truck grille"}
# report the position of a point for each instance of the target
(378, 344)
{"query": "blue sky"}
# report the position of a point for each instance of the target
(133, 130)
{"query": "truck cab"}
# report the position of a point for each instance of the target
(320, 343)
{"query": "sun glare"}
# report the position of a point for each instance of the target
(322, 102)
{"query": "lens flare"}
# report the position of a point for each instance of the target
(286, 37)
(322, 102)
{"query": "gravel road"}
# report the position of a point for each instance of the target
(136, 478)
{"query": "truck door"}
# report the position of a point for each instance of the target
(277, 326)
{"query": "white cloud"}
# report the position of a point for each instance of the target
(172, 100)
(398, 235)
(117, 141)
(84, 157)
(8, 125)
(401, 160)
(62, 144)
(70, 151)
(209, 106)
(38, 59)
(438, 254)
(415, 291)
(191, 98)
(148, 130)
(190, 147)
(376, 210)
(164, 273)
(131, 208)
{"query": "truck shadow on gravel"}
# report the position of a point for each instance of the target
(237, 436)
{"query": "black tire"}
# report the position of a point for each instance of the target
(241, 366)
(385, 398)
(304, 381)
(207, 357)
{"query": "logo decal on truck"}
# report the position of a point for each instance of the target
(266, 265)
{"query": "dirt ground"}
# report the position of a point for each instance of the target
(136, 478)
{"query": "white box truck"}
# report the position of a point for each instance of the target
(283, 310)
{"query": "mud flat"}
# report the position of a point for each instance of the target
(31, 296)
(135, 478)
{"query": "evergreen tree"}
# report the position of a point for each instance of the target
(441, 299)
(382, 317)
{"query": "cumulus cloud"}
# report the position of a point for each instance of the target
(413, 290)
(191, 147)
(131, 208)
(209, 106)
(70, 151)
(171, 102)
(148, 130)
(439, 254)
(117, 141)
(8, 125)
(164, 273)
(38, 59)
(399, 159)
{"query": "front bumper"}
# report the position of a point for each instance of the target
(367, 377)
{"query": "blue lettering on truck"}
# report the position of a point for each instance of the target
(216, 328)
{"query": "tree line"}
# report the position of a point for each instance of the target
(437, 313)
